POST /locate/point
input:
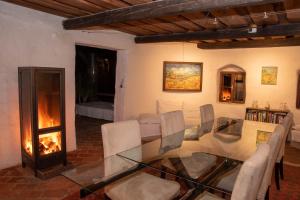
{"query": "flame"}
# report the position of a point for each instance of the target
(45, 121)
(49, 143)
(226, 95)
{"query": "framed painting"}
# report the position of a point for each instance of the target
(269, 75)
(182, 76)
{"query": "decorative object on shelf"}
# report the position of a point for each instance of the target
(182, 76)
(267, 107)
(269, 75)
(255, 104)
(283, 106)
(265, 115)
(232, 87)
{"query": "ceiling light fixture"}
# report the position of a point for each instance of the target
(252, 28)
(266, 15)
(215, 22)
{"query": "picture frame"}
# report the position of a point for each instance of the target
(269, 75)
(182, 76)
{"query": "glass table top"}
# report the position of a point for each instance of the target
(198, 154)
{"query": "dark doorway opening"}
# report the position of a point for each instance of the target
(95, 76)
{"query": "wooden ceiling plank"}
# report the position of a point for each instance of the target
(138, 30)
(135, 2)
(245, 14)
(60, 7)
(251, 44)
(41, 8)
(165, 25)
(281, 12)
(80, 4)
(293, 10)
(182, 22)
(109, 4)
(147, 27)
(271, 30)
(230, 17)
(157, 9)
(202, 20)
(263, 15)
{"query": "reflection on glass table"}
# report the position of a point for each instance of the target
(97, 174)
(200, 156)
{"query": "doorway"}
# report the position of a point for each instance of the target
(95, 78)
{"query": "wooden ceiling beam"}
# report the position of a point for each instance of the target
(251, 44)
(272, 30)
(157, 9)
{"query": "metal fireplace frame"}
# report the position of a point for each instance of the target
(37, 161)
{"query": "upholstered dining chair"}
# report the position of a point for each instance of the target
(287, 124)
(207, 113)
(196, 164)
(227, 182)
(249, 177)
(121, 136)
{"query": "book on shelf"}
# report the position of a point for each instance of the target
(265, 115)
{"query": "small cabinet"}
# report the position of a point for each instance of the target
(232, 87)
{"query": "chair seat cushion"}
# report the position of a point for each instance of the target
(143, 186)
(207, 196)
(228, 180)
(198, 164)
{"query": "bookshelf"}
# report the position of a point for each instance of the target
(265, 115)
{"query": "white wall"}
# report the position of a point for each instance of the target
(146, 70)
(32, 38)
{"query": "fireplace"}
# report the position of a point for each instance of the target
(42, 117)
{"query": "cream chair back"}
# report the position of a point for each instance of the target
(287, 124)
(207, 113)
(274, 143)
(250, 175)
(171, 122)
(120, 136)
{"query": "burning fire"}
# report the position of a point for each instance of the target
(49, 142)
(45, 120)
(226, 95)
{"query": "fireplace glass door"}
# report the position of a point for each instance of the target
(49, 116)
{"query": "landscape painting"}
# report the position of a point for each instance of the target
(269, 76)
(182, 76)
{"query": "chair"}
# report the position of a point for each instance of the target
(207, 113)
(249, 177)
(227, 182)
(196, 164)
(287, 124)
(171, 122)
(121, 136)
(274, 143)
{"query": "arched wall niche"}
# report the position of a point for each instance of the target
(231, 84)
(230, 68)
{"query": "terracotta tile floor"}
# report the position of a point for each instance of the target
(17, 183)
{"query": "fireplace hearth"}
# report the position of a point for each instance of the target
(42, 117)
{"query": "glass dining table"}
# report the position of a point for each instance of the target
(198, 156)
